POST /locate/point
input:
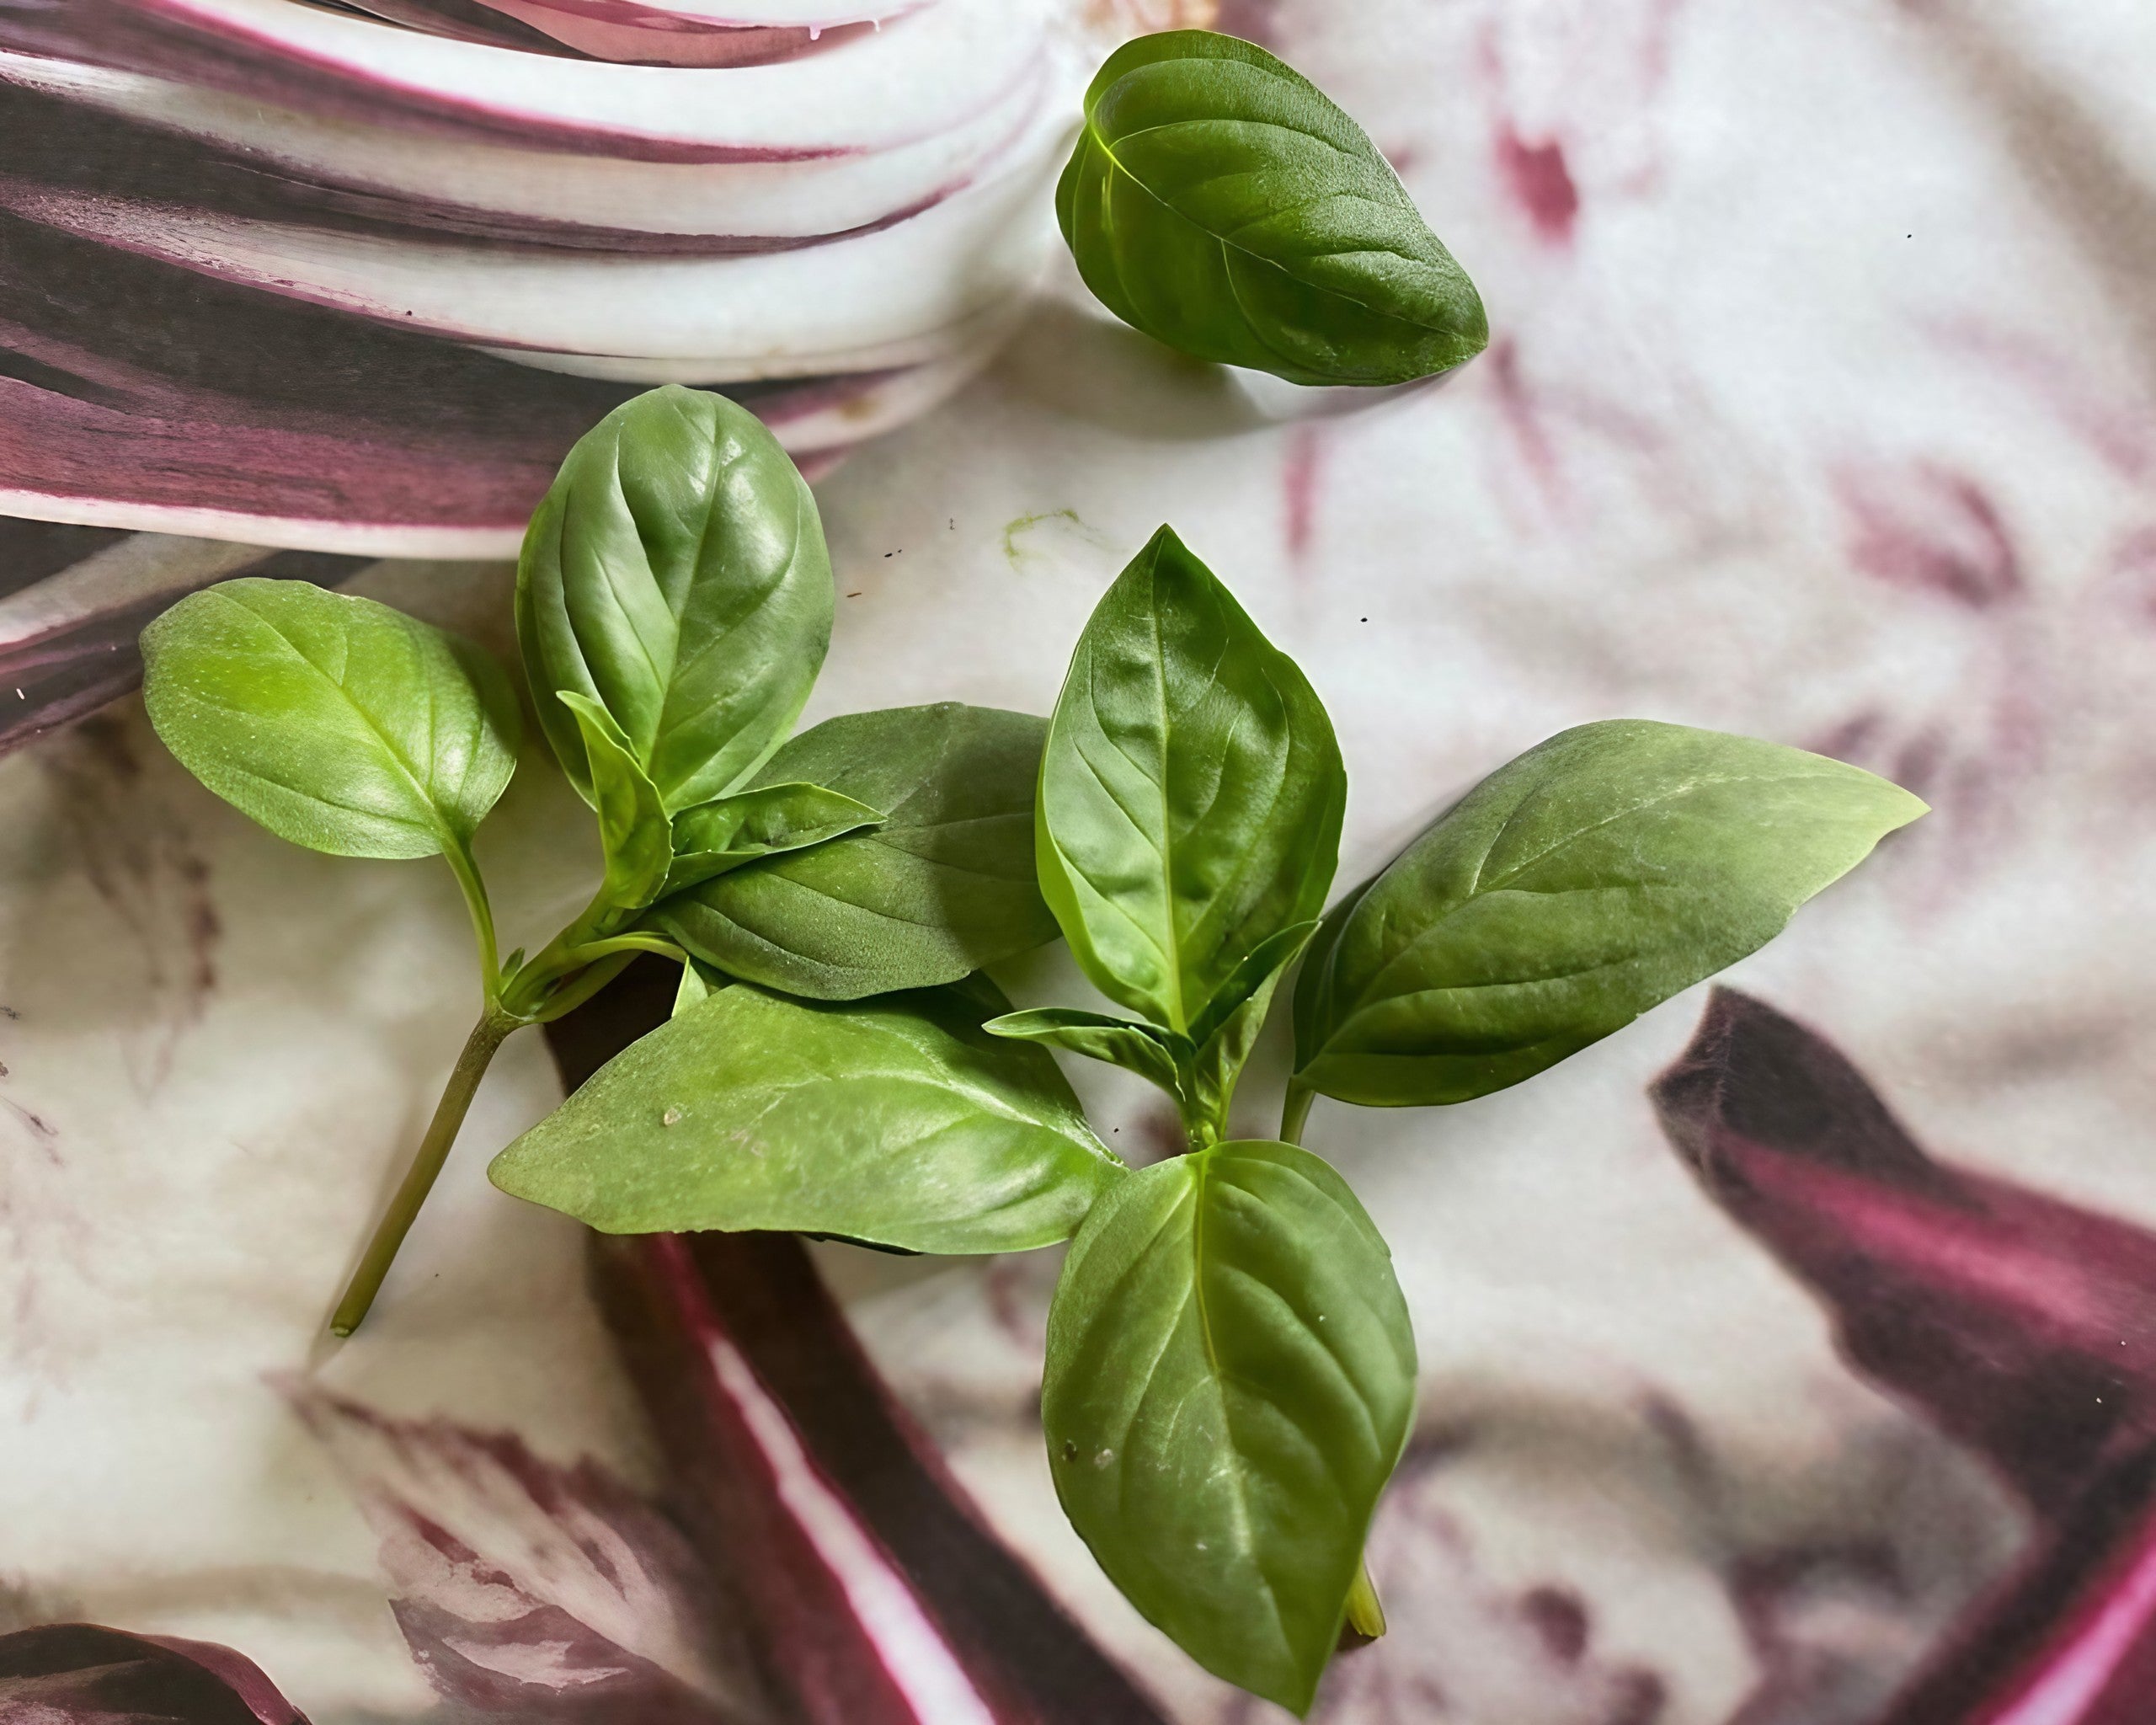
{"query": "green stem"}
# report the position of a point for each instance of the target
(1294, 1110)
(486, 1036)
(564, 955)
(483, 917)
(575, 993)
(593, 951)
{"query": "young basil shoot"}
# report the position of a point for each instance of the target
(673, 604)
(1230, 1370)
(1219, 202)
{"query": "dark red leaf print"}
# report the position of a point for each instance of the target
(2020, 1325)
(78, 1674)
(529, 1588)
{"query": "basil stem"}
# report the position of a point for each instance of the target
(1294, 1111)
(488, 1035)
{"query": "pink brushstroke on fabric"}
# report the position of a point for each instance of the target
(1522, 417)
(2133, 573)
(1927, 527)
(2114, 423)
(1253, 20)
(1301, 468)
(1539, 182)
(1463, 1645)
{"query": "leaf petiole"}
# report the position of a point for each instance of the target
(478, 1052)
(474, 889)
(593, 950)
(581, 988)
(1295, 1111)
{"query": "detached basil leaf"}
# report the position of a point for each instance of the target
(676, 574)
(1191, 793)
(1229, 1381)
(633, 831)
(1218, 201)
(1156, 1055)
(714, 837)
(899, 1124)
(944, 886)
(337, 723)
(1592, 878)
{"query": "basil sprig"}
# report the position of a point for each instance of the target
(1230, 1370)
(1229, 1377)
(1218, 200)
(673, 603)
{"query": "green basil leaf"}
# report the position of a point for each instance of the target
(1226, 1049)
(714, 837)
(1191, 793)
(337, 723)
(944, 886)
(1155, 1055)
(1230, 1379)
(1592, 878)
(634, 834)
(676, 574)
(900, 1124)
(1218, 201)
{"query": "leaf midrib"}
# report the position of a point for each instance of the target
(1216, 1377)
(439, 825)
(1478, 888)
(1257, 258)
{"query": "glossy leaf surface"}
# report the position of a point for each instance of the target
(1219, 202)
(676, 574)
(1588, 880)
(900, 1124)
(1230, 1379)
(943, 887)
(1191, 793)
(337, 723)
